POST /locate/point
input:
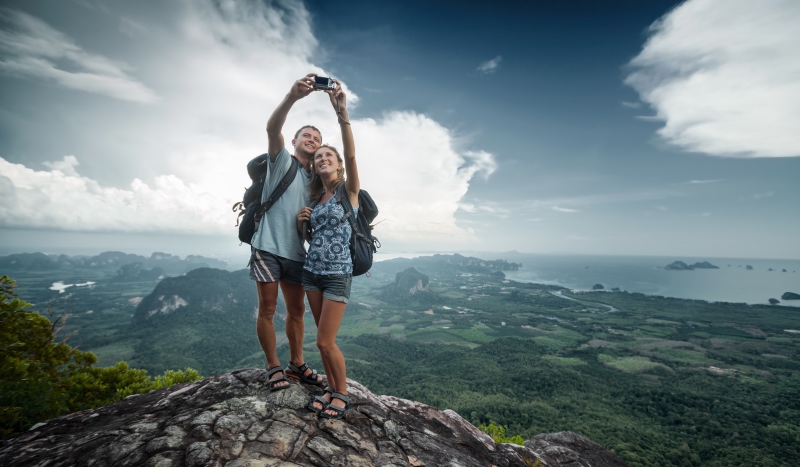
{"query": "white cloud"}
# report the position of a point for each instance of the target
(723, 77)
(560, 209)
(31, 48)
(769, 194)
(242, 58)
(61, 198)
(632, 105)
(702, 182)
(490, 66)
(488, 207)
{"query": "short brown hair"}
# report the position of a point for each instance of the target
(308, 126)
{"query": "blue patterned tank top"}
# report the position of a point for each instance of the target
(329, 251)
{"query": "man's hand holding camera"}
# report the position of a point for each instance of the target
(302, 87)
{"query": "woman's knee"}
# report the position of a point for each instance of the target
(326, 346)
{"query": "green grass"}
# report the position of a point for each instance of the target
(686, 356)
(551, 342)
(629, 364)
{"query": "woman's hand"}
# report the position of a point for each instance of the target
(303, 216)
(339, 94)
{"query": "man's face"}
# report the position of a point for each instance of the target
(307, 141)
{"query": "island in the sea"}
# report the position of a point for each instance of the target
(681, 266)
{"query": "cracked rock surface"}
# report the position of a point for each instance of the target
(233, 420)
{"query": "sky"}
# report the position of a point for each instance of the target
(562, 127)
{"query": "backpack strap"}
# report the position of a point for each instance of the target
(287, 180)
(344, 199)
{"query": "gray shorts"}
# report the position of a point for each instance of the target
(334, 287)
(266, 267)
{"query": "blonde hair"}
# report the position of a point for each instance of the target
(315, 185)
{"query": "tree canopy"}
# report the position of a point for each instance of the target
(42, 377)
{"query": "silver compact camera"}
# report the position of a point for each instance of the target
(322, 83)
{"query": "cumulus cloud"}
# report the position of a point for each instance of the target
(490, 66)
(723, 77)
(242, 58)
(61, 198)
(33, 49)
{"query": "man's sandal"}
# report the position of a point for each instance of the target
(321, 400)
(299, 373)
(273, 383)
(339, 410)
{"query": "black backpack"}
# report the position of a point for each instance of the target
(251, 209)
(362, 243)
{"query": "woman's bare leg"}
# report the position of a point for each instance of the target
(332, 358)
(315, 302)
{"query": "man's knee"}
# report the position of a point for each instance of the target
(267, 300)
(267, 307)
(266, 311)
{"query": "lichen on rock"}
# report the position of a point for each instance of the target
(233, 420)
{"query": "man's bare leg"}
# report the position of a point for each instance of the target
(265, 325)
(293, 295)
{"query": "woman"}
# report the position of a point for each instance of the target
(327, 273)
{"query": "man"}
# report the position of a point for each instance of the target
(278, 254)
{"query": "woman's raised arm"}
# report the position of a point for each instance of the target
(339, 102)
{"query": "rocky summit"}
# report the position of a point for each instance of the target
(233, 420)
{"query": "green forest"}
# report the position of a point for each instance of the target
(659, 381)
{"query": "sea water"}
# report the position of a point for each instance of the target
(732, 282)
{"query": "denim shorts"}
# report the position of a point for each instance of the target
(334, 287)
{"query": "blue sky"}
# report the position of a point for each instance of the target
(618, 127)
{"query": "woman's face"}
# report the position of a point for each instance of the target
(325, 161)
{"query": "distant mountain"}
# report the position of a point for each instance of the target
(453, 264)
(204, 319)
(681, 266)
(409, 285)
(477, 264)
(790, 296)
(136, 272)
(112, 260)
(410, 282)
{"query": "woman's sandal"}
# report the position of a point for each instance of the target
(339, 410)
(321, 400)
(299, 373)
(273, 383)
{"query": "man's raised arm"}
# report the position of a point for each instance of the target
(300, 89)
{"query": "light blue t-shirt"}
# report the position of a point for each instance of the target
(277, 233)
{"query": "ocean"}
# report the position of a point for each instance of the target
(732, 282)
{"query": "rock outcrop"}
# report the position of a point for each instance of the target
(233, 420)
(790, 296)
